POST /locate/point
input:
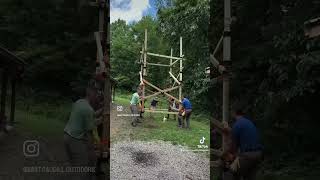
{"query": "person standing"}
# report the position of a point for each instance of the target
(172, 106)
(78, 133)
(154, 103)
(185, 112)
(245, 146)
(134, 103)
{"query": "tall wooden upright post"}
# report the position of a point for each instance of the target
(105, 12)
(171, 53)
(145, 52)
(103, 52)
(180, 77)
(170, 70)
(144, 73)
(13, 100)
(227, 64)
(4, 87)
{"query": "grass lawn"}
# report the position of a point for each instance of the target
(42, 119)
(153, 127)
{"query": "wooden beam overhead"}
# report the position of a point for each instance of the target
(163, 56)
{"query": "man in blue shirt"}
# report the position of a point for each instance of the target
(185, 112)
(246, 145)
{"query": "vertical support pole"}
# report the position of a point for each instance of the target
(142, 59)
(104, 149)
(3, 96)
(145, 52)
(13, 100)
(170, 70)
(227, 64)
(101, 32)
(105, 12)
(181, 67)
(144, 66)
(171, 52)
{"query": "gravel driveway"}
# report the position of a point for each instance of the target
(156, 160)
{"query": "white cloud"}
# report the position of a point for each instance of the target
(128, 10)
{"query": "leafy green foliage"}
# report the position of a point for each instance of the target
(189, 19)
(55, 38)
(275, 72)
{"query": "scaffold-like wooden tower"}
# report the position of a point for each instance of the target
(177, 79)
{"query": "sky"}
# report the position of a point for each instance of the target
(132, 10)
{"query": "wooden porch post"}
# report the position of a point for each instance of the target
(13, 100)
(227, 64)
(3, 96)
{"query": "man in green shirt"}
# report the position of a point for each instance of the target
(78, 137)
(134, 103)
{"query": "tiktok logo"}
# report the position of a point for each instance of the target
(202, 140)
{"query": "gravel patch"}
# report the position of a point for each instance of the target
(156, 160)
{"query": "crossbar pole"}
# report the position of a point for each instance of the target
(155, 87)
(160, 112)
(163, 56)
(155, 64)
(174, 78)
(162, 91)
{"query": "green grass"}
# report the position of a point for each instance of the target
(122, 98)
(156, 129)
(153, 127)
(48, 119)
(41, 118)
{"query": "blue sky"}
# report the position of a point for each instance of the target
(132, 10)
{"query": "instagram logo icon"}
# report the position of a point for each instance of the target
(31, 148)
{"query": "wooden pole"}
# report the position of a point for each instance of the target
(160, 112)
(174, 62)
(105, 12)
(13, 100)
(218, 46)
(145, 52)
(3, 97)
(162, 56)
(181, 67)
(174, 83)
(174, 78)
(163, 91)
(142, 59)
(158, 89)
(170, 70)
(216, 63)
(226, 63)
(155, 64)
(99, 39)
(171, 52)
(103, 54)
